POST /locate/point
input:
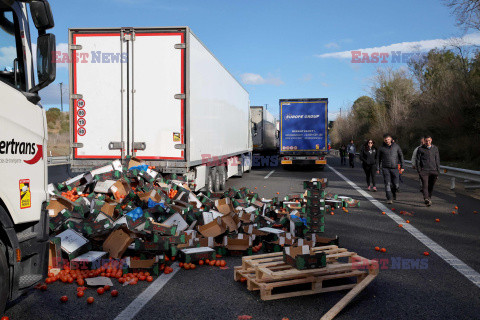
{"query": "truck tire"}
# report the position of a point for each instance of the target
(4, 279)
(223, 177)
(240, 168)
(209, 182)
(216, 179)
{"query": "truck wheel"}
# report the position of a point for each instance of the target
(209, 182)
(240, 168)
(216, 179)
(4, 279)
(223, 177)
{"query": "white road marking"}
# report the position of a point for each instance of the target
(136, 305)
(449, 258)
(269, 174)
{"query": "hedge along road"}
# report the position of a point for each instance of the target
(410, 285)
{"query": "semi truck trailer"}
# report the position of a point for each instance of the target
(160, 95)
(23, 141)
(264, 131)
(303, 132)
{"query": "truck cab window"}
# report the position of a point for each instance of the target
(9, 52)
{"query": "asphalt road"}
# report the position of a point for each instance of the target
(435, 292)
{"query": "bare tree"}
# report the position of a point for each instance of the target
(467, 12)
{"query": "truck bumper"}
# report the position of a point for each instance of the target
(303, 160)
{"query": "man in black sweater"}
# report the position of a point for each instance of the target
(389, 157)
(428, 165)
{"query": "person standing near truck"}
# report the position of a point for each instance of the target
(368, 156)
(428, 165)
(343, 154)
(351, 153)
(389, 156)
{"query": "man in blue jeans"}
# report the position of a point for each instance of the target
(389, 157)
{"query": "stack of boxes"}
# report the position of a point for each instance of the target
(314, 209)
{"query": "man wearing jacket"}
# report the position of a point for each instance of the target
(428, 165)
(389, 156)
(414, 159)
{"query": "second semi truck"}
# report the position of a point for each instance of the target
(303, 132)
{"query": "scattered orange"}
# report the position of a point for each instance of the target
(200, 263)
(400, 225)
(426, 253)
(408, 221)
(437, 220)
(383, 212)
(377, 248)
(456, 208)
(383, 250)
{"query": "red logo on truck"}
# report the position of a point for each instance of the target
(37, 157)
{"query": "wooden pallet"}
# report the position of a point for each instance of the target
(267, 273)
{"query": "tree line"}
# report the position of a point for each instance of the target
(438, 94)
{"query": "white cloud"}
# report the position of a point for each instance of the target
(256, 79)
(333, 115)
(306, 77)
(7, 55)
(332, 45)
(414, 46)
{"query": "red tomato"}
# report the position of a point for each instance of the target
(80, 294)
(106, 288)
(114, 293)
(100, 291)
(64, 299)
(90, 300)
(149, 279)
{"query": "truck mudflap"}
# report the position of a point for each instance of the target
(298, 160)
(30, 265)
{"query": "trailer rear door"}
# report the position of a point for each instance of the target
(158, 83)
(98, 69)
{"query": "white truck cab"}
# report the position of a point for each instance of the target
(23, 140)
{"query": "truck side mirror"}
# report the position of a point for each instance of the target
(42, 14)
(46, 65)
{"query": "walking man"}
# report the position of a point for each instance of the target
(414, 160)
(389, 156)
(343, 154)
(351, 153)
(428, 165)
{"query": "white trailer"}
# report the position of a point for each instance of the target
(160, 95)
(264, 130)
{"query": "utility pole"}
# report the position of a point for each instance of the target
(61, 96)
(266, 106)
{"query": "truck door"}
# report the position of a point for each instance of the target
(158, 84)
(100, 92)
(128, 89)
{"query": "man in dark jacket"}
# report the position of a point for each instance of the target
(389, 156)
(428, 165)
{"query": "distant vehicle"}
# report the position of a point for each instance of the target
(303, 131)
(23, 141)
(160, 95)
(264, 130)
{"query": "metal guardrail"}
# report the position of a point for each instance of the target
(459, 173)
(468, 176)
(58, 161)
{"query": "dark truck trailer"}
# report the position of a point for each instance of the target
(303, 132)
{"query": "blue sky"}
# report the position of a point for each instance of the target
(278, 48)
